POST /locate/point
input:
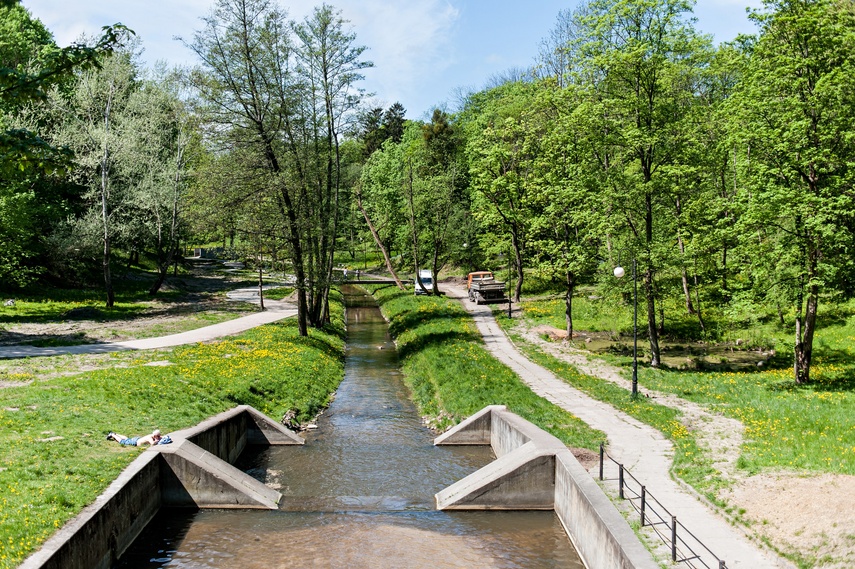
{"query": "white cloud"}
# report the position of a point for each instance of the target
(408, 42)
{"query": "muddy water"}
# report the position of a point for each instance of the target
(360, 492)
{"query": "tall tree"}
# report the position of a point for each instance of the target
(97, 131)
(795, 108)
(287, 91)
(250, 88)
(330, 64)
(157, 161)
(639, 58)
(503, 146)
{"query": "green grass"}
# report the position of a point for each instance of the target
(809, 428)
(452, 375)
(44, 483)
(690, 463)
(278, 293)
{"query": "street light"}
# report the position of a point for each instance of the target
(509, 284)
(619, 273)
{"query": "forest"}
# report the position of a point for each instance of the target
(720, 176)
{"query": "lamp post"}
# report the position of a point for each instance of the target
(619, 273)
(509, 284)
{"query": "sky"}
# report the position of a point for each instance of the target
(425, 52)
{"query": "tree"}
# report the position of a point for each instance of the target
(564, 236)
(156, 161)
(30, 195)
(288, 100)
(794, 109)
(638, 61)
(503, 145)
(249, 87)
(379, 199)
(96, 132)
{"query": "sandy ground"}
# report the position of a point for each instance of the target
(805, 515)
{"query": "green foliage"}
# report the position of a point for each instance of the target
(452, 375)
(53, 456)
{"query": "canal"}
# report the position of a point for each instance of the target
(359, 493)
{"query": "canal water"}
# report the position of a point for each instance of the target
(359, 494)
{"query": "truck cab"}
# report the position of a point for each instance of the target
(479, 277)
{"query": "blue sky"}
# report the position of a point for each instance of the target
(424, 51)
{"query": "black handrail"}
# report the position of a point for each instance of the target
(650, 508)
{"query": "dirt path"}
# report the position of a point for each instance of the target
(639, 447)
(811, 516)
(720, 436)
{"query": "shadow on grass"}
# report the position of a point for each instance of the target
(320, 343)
(425, 341)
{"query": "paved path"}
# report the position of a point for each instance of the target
(274, 310)
(641, 448)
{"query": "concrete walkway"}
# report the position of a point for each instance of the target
(639, 447)
(274, 311)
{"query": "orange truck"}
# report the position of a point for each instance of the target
(483, 287)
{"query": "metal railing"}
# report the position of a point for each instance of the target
(685, 546)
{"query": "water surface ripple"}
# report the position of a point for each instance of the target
(359, 494)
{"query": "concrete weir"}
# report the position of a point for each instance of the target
(194, 472)
(533, 470)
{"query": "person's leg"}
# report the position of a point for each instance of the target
(116, 437)
(129, 442)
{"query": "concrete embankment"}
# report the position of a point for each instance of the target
(534, 470)
(194, 472)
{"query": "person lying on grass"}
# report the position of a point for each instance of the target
(151, 439)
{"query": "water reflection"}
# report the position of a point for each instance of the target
(359, 493)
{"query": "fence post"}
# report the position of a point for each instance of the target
(643, 500)
(620, 481)
(674, 539)
(602, 453)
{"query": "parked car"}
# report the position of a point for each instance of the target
(426, 279)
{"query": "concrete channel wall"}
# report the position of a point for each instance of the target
(194, 472)
(534, 470)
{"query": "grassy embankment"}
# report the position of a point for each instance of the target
(809, 428)
(452, 375)
(54, 458)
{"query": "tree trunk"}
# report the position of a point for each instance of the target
(379, 243)
(568, 304)
(652, 330)
(698, 299)
(412, 212)
(685, 276)
(805, 331)
(518, 268)
(260, 283)
(105, 216)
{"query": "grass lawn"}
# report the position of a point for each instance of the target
(54, 458)
(452, 375)
(808, 428)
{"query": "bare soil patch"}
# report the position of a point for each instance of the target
(812, 516)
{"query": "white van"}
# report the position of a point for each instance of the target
(426, 278)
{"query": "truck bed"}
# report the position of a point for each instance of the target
(486, 291)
